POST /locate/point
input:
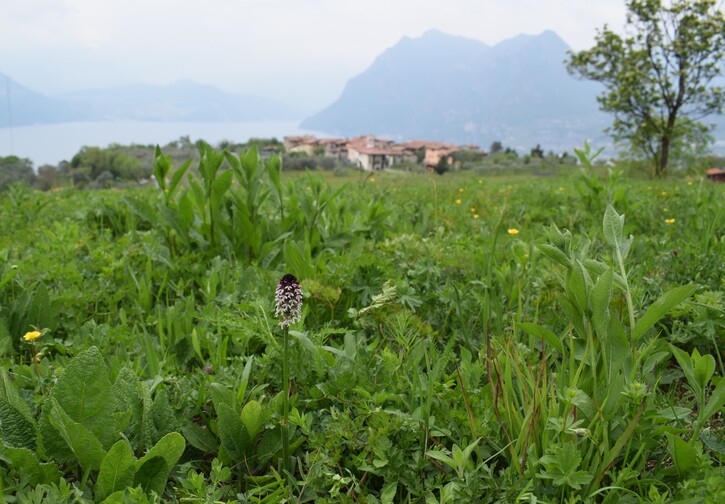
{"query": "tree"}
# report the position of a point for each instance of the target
(15, 170)
(657, 77)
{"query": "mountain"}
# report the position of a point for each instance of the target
(181, 101)
(21, 106)
(450, 88)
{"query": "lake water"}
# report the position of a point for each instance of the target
(52, 143)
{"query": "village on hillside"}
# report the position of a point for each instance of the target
(372, 154)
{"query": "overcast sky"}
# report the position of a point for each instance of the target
(298, 51)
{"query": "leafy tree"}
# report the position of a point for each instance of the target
(94, 161)
(15, 170)
(657, 76)
(496, 146)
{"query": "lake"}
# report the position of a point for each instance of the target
(52, 143)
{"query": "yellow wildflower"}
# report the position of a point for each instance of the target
(458, 201)
(372, 179)
(689, 182)
(669, 221)
(473, 210)
(32, 335)
(663, 193)
(460, 190)
(475, 216)
(513, 231)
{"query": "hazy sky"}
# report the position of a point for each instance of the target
(299, 51)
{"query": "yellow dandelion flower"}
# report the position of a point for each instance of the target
(473, 210)
(669, 221)
(663, 193)
(561, 189)
(513, 231)
(32, 335)
(475, 216)
(458, 201)
(461, 190)
(480, 181)
(689, 182)
(665, 209)
(372, 179)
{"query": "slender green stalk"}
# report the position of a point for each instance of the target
(285, 400)
(628, 296)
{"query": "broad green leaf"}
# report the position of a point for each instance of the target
(576, 287)
(142, 209)
(221, 185)
(9, 393)
(161, 418)
(201, 439)
(118, 469)
(170, 448)
(660, 307)
(83, 391)
(222, 395)
(269, 445)
(232, 433)
(152, 474)
(441, 456)
(601, 293)
(682, 454)
(161, 166)
(15, 428)
(704, 369)
(152, 470)
(612, 226)
(245, 380)
(548, 336)
(253, 418)
(83, 443)
(25, 463)
(716, 401)
(177, 176)
(687, 366)
(387, 494)
(297, 260)
(554, 254)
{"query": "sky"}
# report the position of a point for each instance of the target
(301, 52)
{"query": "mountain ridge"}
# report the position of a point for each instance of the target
(184, 100)
(456, 89)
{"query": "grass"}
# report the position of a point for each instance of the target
(439, 358)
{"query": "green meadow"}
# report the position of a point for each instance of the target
(464, 338)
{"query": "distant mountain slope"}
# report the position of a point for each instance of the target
(181, 101)
(450, 88)
(21, 106)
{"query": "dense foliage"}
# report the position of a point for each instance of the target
(658, 76)
(463, 339)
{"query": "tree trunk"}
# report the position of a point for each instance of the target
(664, 154)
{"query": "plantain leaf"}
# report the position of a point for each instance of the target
(82, 442)
(118, 469)
(83, 392)
(152, 470)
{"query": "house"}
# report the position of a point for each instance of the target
(716, 174)
(305, 144)
(335, 148)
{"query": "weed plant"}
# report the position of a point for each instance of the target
(463, 338)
